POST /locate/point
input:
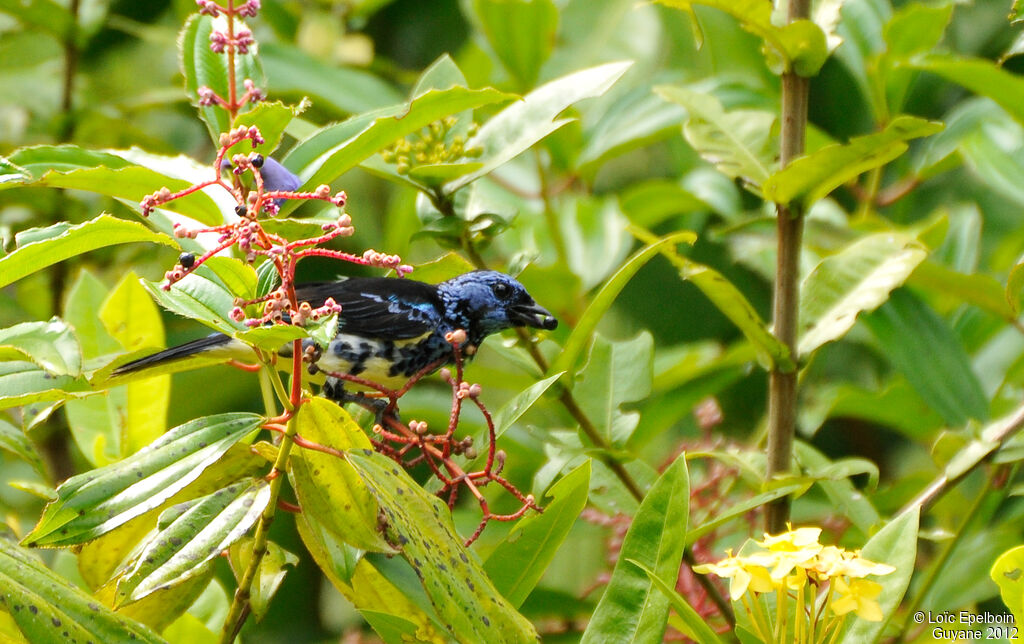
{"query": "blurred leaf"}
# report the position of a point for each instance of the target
(1007, 572)
(273, 567)
(631, 609)
(518, 562)
(799, 45)
(91, 504)
(60, 242)
(907, 329)
(595, 239)
(978, 289)
(581, 333)
(513, 130)
(327, 486)
(983, 77)
(345, 89)
(129, 315)
(23, 383)
(14, 441)
(521, 33)
(856, 279)
(335, 149)
(51, 345)
(465, 599)
(994, 165)
(181, 549)
(1016, 16)
(616, 373)
(845, 499)
(105, 173)
(649, 203)
(47, 608)
(634, 120)
(741, 508)
(732, 303)
(896, 545)
(47, 15)
(698, 627)
(739, 143)
(812, 177)
(202, 67)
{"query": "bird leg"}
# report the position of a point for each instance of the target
(334, 389)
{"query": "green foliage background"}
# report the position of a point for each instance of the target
(911, 339)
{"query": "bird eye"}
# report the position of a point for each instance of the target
(502, 290)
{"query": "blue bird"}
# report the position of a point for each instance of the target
(390, 329)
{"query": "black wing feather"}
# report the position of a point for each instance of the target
(379, 307)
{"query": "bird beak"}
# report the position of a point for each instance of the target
(533, 315)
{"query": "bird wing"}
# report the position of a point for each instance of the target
(379, 307)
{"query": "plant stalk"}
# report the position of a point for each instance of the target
(782, 392)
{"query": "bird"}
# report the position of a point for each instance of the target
(390, 329)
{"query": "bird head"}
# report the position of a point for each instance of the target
(485, 302)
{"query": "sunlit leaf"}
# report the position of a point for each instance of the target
(856, 279)
(1007, 572)
(181, 549)
(60, 242)
(91, 504)
(812, 177)
(51, 345)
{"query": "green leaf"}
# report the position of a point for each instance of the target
(47, 608)
(115, 174)
(201, 296)
(631, 610)
(511, 411)
(181, 549)
(271, 118)
(272, 338)
(1007, 572)
(634, 120)
(732, 303)
(521, 33)
(739, 143)
(51, 345)
(858, 278)
(69, 241)
(983, 77)
(346, 89)
(907, 329)
(23, 383)
(812, 177)
(518, 562)
(333, 150)
(202, 67)
(978, 289)
(14, 441)
(327, 486)
(129, 315)
(698, 627)
(513, 130)
(271, 572)
(896, 545)
(465, 599)
(91, 504)
(846, 500)
(1016, 16)
(581, 333)
(47, 15)
(799, 45)
(616, 373)
(741, 508)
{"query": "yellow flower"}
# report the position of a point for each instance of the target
(856, 566)
(744, 573)
(859, 596)
(792, 549)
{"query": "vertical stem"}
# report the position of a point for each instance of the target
(782, 392)
(232, 81)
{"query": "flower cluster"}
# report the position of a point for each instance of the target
(434, 145)
(787, 565)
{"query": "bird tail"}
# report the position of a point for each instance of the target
(218, 343)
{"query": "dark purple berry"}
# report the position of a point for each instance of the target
(240, 210)
(256, 160)
(187, 260)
